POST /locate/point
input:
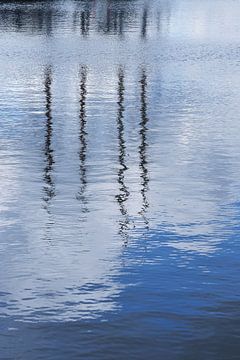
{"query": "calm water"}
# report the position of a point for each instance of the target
(119, 180)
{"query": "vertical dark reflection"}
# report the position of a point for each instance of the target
(144, 23)
(121, 22)
(39, 20)
(83, 137)
(49, 22)
(18, 19)
(75, 20)
(85, 22)
(81, 17)
(159, 19)
(49, 185)
(115, 18)
(108, 20)
(123, 191)
(143, 145)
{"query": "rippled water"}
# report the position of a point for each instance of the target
(120, 179)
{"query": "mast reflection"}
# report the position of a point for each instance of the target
(144, 23)
(85, 22)
(81, 18)
(143, 146)
(123, 191)
(83, 137)
(115, 19)
(86, 16)
(49, 186)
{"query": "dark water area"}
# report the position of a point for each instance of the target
(119, 180)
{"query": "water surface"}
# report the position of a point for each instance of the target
(119, 179)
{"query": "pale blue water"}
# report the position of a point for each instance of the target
(119, 180)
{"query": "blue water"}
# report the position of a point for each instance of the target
(119, 180)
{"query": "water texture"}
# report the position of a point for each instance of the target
(119, 180)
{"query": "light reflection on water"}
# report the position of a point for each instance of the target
(119, 179)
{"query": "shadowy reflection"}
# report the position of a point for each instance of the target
(33, 19)
(159, 20)
(144, 23)
(117, 17)
(85, 22)
(81, 19)
(123, 191)
(143, 146)
(107, 17)
(49, 186)
(49, 22)
(83, 137)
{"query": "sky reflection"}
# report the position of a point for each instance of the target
(119, 175)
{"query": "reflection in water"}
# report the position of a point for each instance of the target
(85, 22)
(112, 18)
(171, 279)
(123, 191)
(40, 19)
(113, 22)
(82, 137)
(49, 186)
(144, 23)
(143, 146)
(115, 19)
(49, 22)
(81, 19)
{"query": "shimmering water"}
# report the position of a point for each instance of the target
(119, 180)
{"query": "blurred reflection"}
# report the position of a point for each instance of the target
(40, 18)
(116, 17)
(85, 21)
(143, 146)
(82, 137)
(49, 22)
(123, 191)
(169, 160)
(49, 186)
(114, 21)
(144, 23)
(81, 18)
(107, 17)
